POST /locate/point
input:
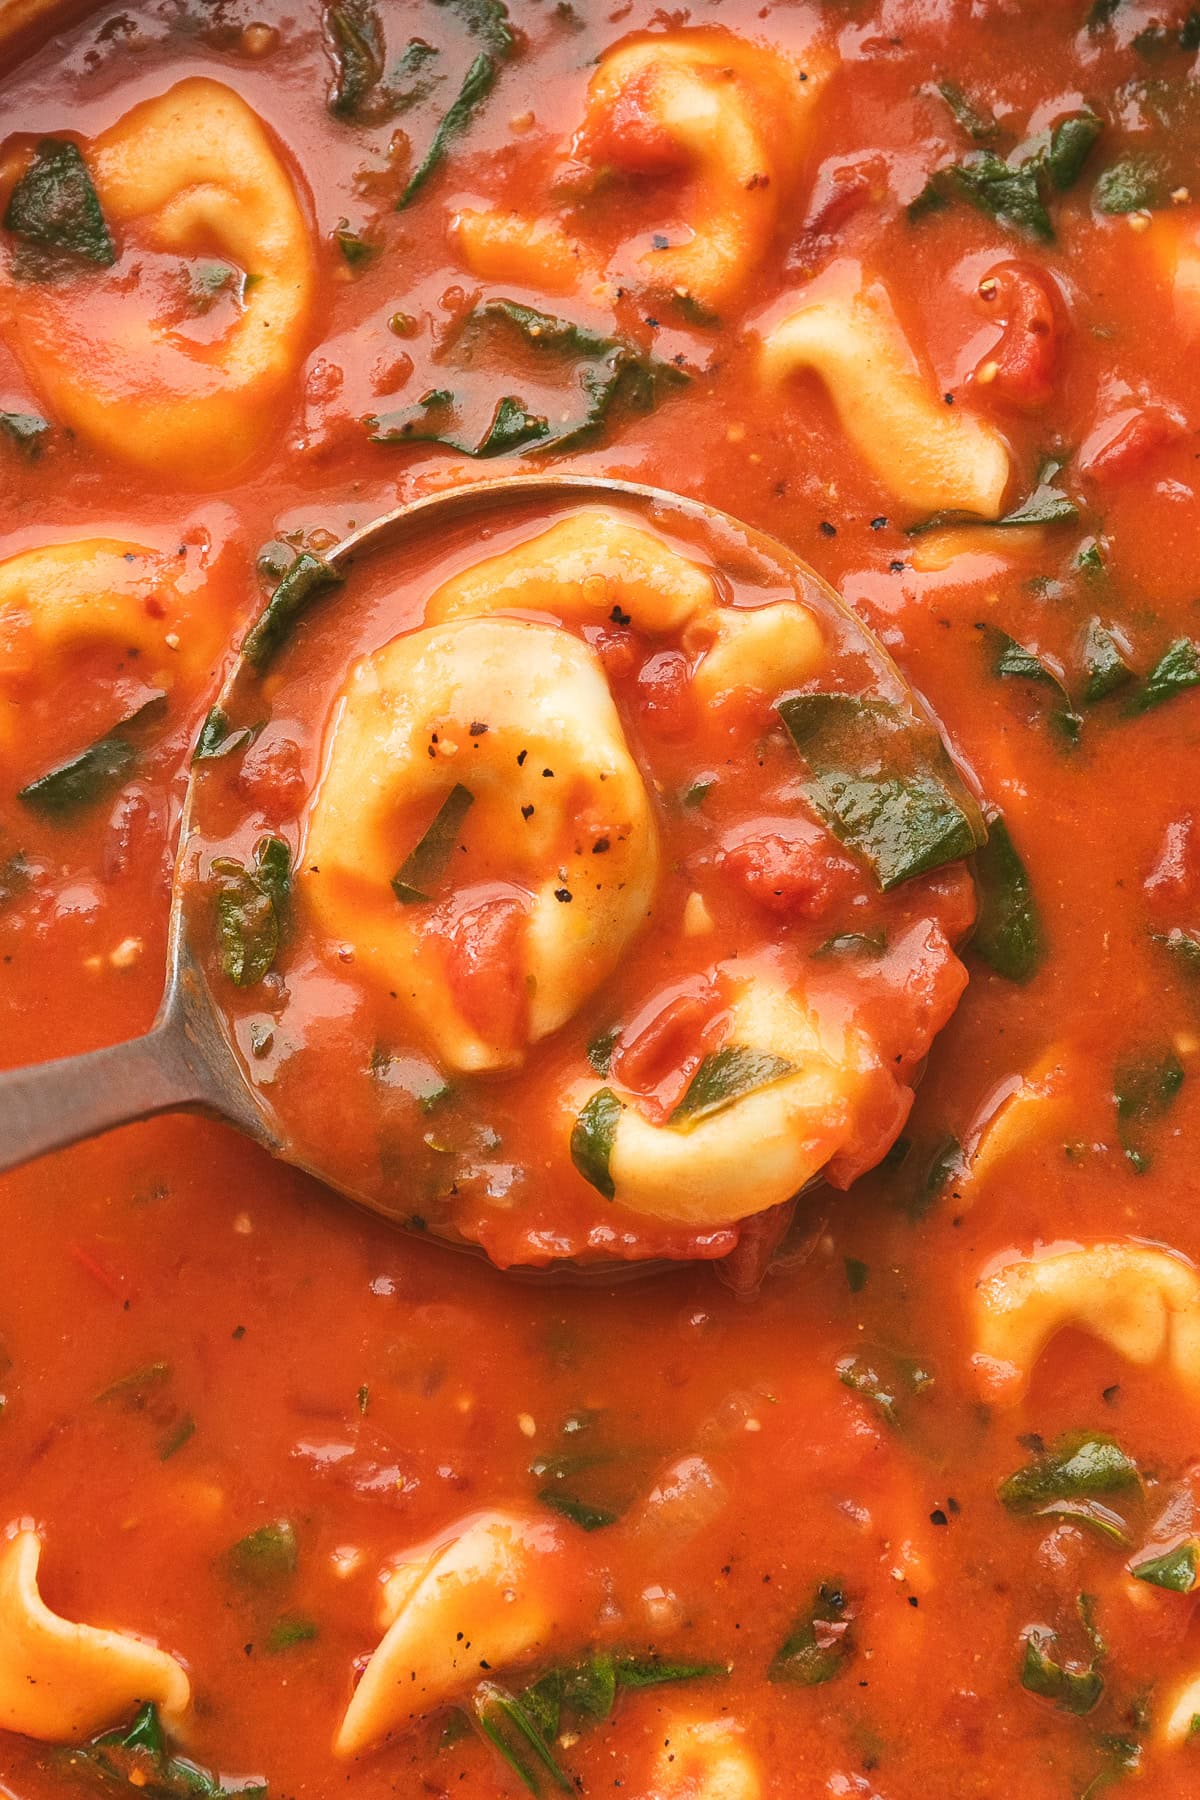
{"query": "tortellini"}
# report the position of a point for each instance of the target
(594, 565)
(704, 1759)
(1144, 1302)
(192, 173)
(475, 1599)
(931, 457)
(519, 717)
(732, 114)
(795, 1108)
(62, 1682)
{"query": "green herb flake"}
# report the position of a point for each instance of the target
(1070, 145)
(1079, 1467)
(507, 1726)
(884, 1380)
(1144, 1088)
(1072, 1689)
(175, 1439)
(600, 1051)
(287, 1632)
(1008, 930)
(84, 780)
(725, 1077)
(593, 1137)
(356, 250)
(1008, 193)
(137, 1757)
(820, 1643)
(433, 850)
(1103, 661)
(309, 576)
(1135, 183)
(219, 737)
(883, 784)
(54, 206)
(1177, 670)
(977, 121)
(27, 431)
(1009, 659)
(266, 1556)
(1175, 1569)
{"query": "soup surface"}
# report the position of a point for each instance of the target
(885, 1490)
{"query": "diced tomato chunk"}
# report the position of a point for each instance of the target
(1022, 366)
(628, 135)
(483, 952)
(1120, 446)
(663, 1048)
(664, 694)
(272, 776)
(794, 876)
(1173, 884)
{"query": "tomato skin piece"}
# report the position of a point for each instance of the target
(1021, 369)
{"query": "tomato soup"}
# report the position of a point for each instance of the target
(745, 965)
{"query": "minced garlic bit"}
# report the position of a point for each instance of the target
(127, 952)
(697, 920)
(526, 1425)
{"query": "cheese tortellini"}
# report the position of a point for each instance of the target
(731, 114)
(726, 1158)
(704, 1759)
(1144, 1302)
(931, 457)
(519, 718)
(60, 1681)
(477, 1598)
(190, 174)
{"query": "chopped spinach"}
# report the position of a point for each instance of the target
(1074, 1690)
(1070, 144)
(354, 247)
(1135, 183)
(507, 1726)
(1176, 1569)
(487, 21)
(1009, 192)
(1006, 657)
(1046, 505)
(433, 850)
(883, 784)
(592, 1139)
(356, 34)
(1008, 930)
(138, 1758)
(1013, 190)
(26, 431)
(1103, 661)
(219, 737)
(977, 121)
(54, 208)
(588, 1689)
(96, 772)
(600, 1051)
(560, 1488)
(251, 910)
(820, 1643)
(866, 944)
(1144, 1088)
(887, 1381)
(607, 371)
(308, 576)
(1079, 1467)
(724, 1077)
(1177, 670)
(265, 1557)
(287, 1632)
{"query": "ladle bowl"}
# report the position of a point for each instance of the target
(186, 1062)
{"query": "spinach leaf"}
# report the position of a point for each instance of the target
(251, 909)
(486, 20)
(592, 1139)
(1135, 183)
(1177, 670)
(26, 431)
(95, 773)
(600, 1051)
(977, 121)
(1074, 1690)
(433, 850)
(723, 1078)
(513, 1734)
(356, 34)
(882, 782)
(651, 1671)
(885, 1380)
(1013, 190)
(308, 577)
(354, 247)
(220, 737)
(1145, 1087)
(1008, 658)
(607, 371)
(1070, 144)
(1176, 1569)
(1103, 661)
(1079, 1467)
(1009, 192)
(287, 1632)
(588, 1689)
(137, 1758)
(1184, 947)
(1008, 930)
(820, 1644)
(1047, 505)
(265, 1557)
(556, 1472)
(54, 207)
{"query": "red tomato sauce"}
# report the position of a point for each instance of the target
(794, 1483)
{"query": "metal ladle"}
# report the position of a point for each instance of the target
(185, 1063)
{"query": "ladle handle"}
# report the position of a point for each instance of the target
(50, 1105)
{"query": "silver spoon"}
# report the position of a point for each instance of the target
(185, 1063)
